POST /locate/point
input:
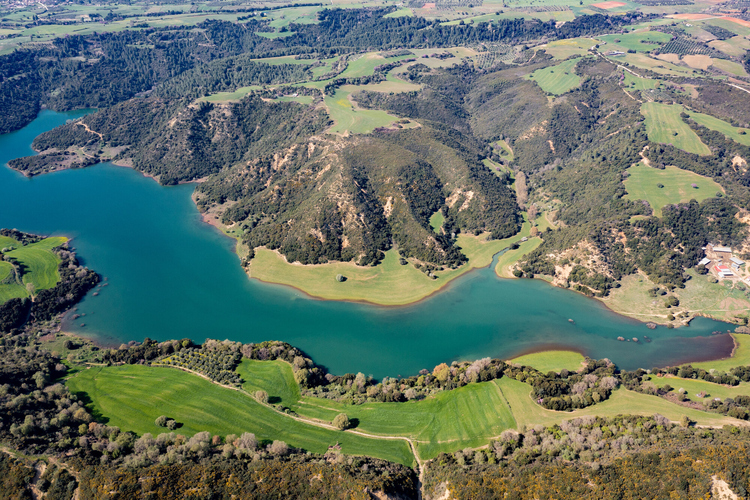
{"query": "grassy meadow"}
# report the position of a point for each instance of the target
(349, 119)
(388, 283)
(642, 184)
(557, 79)
(562, 49)
(132, 396)
(554, 361)
(39, 265)
(734, 133)
(722, 301)
(621, 402)
(664, 125)
(693, 387)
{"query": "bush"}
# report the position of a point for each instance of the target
(171, 424)
(341, 422)
(340, 278)
(161, 421)
(261, 397)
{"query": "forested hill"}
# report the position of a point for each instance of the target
(315, 198)
(100, 70)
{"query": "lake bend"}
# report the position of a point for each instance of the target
(169, 275)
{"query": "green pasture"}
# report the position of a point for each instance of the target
(449, 421)
(635, 41)
(725, 128)
(274, 34)
(557, 79)
(722, 300)
(642, 184)
(736, 46)
(731, 26)
(633, 82)
(694, 386)
(353, 120)
(404, 12)
(132, 396)
(436, 221)
(554, 361)
(504, 149)
(230, 96)
(276, 61)
(639, 60)
(729, 66)
(274, 377)
(562, 49)
(300, 99)
(664, 125)
(364, 65)
(621, 402)
(39, 261)
(388, 283)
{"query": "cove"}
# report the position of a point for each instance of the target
(169, 275)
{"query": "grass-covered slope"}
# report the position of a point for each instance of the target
(35, 264)
(132, 397)
(668, 186)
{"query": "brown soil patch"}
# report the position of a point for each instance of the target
(430, 5)
(697, 61)
(672, 58)
(608, 5)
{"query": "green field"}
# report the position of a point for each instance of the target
(722, 301)
(562, 49)
(642, 184)
(557, 79)
(451, 420)
(436, 221)
(39, 261)
(632, 82)
(352, 120)
(621, 402)
(132, 396)
(635, 41)
(39, 265)
(388, 283)
(694, 387)
(664, 125)
(230, 96)
(728, 130)
(551, 361)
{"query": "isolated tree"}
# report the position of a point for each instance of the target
(161, 421)
(261, 397)
(341, 421)
(278, 448)
(171, 424)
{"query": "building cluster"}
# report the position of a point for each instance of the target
(723, 263)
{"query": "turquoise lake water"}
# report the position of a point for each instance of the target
(170, 276)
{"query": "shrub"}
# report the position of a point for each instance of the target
(341, 422)
(161, 421)
(171, 424)
(340, 278)
(261, 397)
